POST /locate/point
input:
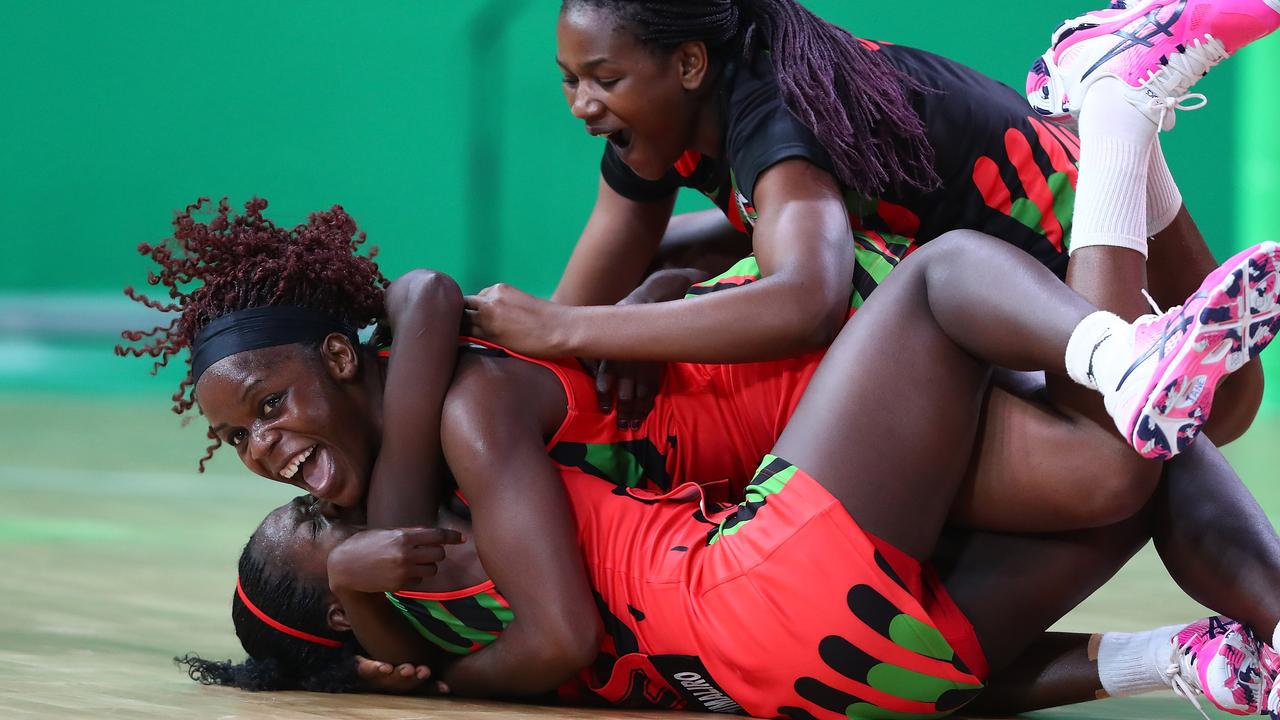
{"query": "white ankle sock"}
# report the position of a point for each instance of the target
(1133, 663)
(1111, 193)
(1164, 200)
(1089, 348)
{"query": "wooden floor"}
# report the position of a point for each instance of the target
(116, 556)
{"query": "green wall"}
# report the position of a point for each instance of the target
(440, 126)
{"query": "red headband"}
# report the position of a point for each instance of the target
(327, 642)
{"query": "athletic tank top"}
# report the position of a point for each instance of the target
(710, 424)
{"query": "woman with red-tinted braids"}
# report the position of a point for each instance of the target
(830, 158)
(280, 376)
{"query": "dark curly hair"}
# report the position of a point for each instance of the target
(278, 661)
(230, 262)
(854, 101)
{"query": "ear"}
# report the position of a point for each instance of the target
(341, 358)
(691, 59)
(336, 617)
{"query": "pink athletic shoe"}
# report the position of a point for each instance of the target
(1217, 657)
(1157, 48)
(1178, 357)
(1270, 662)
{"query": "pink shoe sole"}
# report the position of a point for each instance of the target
(1233, 316)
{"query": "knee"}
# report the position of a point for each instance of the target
(953, 243)
(957, 251)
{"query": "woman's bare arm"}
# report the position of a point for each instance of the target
(614, 250)
(804, 246)
(526, 537)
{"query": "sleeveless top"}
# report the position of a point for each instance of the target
(710, 424)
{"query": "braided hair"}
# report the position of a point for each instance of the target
(855, 102)
(278, 661)
(230, 262)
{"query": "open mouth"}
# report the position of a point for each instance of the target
(318, 474)
(295, 463)
(620, 139)
(311, 469)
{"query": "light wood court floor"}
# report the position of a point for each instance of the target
(116, 556)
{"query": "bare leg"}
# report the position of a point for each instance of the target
(911, 442)
(1033, 461)
(1013, 587)
(1217, 543)
(1057, 670)
(1111, 278)
(1179, 260)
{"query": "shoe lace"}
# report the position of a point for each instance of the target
(1152, 302)
(1173, 677)
(1177, 672)
(1168, 84)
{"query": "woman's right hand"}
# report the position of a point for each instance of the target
(380, 560)
(630, 387)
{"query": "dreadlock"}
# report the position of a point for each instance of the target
(854, 101)
(236, 262)
(278, 661)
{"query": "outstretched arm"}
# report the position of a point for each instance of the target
(804, 246)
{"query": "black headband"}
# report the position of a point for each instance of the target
(261, 327)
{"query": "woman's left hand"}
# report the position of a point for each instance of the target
(519, 321)
(378, 676)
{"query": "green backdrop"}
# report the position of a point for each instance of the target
(439, 126)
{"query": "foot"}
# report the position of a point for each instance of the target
(1218, 658)
(1270, 662)
(1178, 357)
(1157, 48)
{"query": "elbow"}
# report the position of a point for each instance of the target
(814, 328)
(434, 283)
(829, 324)
(570, 648)
(433, 287)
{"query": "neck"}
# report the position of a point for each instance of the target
(374, 383)
(708, 136)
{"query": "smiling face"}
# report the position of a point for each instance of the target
(646, 101)
(298, 415)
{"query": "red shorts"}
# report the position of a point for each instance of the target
(780, 606)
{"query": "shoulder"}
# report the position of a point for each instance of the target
(760, 130)
(494, 398)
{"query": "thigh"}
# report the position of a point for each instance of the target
(1037, 469)
(1014, 587)
(887, 422)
